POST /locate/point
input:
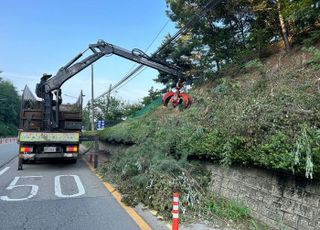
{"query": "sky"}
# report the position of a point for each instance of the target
(38, 36)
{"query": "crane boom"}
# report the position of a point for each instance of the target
(48, 84)
(100, 49)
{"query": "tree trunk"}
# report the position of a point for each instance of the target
(218, 65)
(284, 31)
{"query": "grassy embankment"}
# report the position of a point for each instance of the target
(265, 113)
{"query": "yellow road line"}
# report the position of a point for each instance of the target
(133, 214)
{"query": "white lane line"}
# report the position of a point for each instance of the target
(4, 170)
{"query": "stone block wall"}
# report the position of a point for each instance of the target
(279, 200)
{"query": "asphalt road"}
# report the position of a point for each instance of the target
(7, 153)
(55, 195)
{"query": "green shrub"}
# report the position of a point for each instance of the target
(315, 61)
(255, 64)
(234, 123)
(312, 38)
(144, 174)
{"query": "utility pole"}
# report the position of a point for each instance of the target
(92, 100)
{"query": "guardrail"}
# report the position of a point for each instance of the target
(7, 140)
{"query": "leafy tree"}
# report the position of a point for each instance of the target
(234, 32)
(301, 15)
(153, 95)
(130, 109)
(179, 54)
(113, 110)
(86, 116)
(9, 109)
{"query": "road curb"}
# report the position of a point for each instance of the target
(132, 213)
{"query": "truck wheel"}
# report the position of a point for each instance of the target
(20, 163)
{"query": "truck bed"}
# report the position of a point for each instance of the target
(32, 114)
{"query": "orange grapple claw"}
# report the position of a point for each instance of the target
(177, 98)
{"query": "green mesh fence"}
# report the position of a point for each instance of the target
(154, 104)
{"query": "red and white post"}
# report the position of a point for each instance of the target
(175, 212)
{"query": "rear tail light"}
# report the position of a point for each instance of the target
(72, 149)
(26, 149)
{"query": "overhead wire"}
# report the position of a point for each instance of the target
(125, 83)
(140, 67)
(151, 43)
(67, 95)
(210, 4)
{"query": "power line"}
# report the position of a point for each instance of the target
(67, 95)
(210, 4)
(151, 43)
(125, 83)
(121, 81)
(137, 69)
(140, 67)
(158, 34)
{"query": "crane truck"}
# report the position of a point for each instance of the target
(50, 129)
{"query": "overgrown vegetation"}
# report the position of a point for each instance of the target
(266, 115)
(146, 174)
(150, 176)
(267, 119)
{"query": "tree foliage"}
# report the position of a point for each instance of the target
(152, 95)
(9, 109)
(236, 31)
(111, 109)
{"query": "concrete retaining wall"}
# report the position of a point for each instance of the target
(281, 201)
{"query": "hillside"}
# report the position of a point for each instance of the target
(265, 114)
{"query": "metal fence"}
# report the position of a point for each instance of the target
(153, 105)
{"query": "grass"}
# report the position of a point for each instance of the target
(234, 210)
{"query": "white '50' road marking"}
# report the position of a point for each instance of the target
(13, 184)
(57, 186)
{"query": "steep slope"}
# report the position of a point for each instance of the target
(264, 113)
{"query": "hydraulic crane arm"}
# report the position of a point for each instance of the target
(100, 49)
(49, 84)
